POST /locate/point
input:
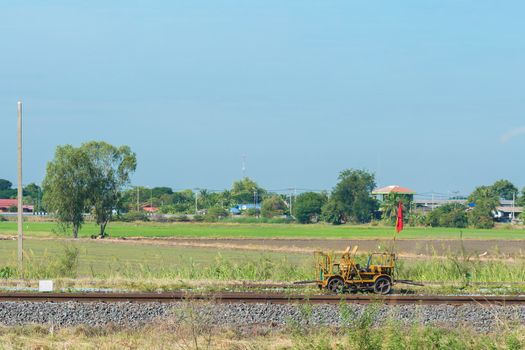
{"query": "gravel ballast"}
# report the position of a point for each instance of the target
(481, 318)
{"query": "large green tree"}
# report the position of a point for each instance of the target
(351, 198)
(485, 200)
(68, 186)
(308, 206)
(505, 189)
(390, 205)
(448, 215)
(246, 191)
(5, 189)
(112, 168)
(33, 195)
(89, 177)
(273, 206)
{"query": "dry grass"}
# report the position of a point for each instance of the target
(197, 334)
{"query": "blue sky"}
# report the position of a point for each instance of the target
(427, 94)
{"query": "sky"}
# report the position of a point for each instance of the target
(425, 94)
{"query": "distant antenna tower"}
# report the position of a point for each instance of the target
(243, 166)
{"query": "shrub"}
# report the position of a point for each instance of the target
(307, 207)
(134, 216)
(7, 272)
(198, 218)
(215, 214)
(273, 206)
(448, 215)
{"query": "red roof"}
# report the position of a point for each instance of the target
(148, 208)
(7, 203)
(393, 189)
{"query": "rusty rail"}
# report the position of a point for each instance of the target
(247, 297)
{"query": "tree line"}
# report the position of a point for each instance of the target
(94, 178)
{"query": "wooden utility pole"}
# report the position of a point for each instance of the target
(20, 191)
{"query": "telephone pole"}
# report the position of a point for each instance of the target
(20, 192)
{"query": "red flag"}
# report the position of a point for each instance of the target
(399, 222)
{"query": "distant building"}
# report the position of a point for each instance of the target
(383, 192)
(148, 208)
(507, 213)
(5, 204)
(239, 208)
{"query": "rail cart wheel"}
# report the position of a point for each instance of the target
(382, 286)
(336, 285)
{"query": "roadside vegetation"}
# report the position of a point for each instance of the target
(150, 268)
(246, 228)
(186, 333)
(100, 191)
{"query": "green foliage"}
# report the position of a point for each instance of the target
(112, 168)
(417, 219)
(6, 191)
(251, 212)
(448, 215)
(308, 206)
(7, 272)
(68, 185)
(352, 198)
(12, 209)
(333, 212)
(257, 220)
(273, 206)
(68, 262)
(390, 205)
(215, 214)
(134, 216)
(159, 191)
(504, 189)
(485, 201)
(91, 175)
(32, 195)
(244, 191)
(360, 327)
(198, 218)
(63, 264)
(5, 184)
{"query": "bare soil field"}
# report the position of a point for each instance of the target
(489, 248)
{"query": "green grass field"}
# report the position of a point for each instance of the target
(118, 229)
(99, 259)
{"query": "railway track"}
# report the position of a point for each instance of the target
(249, 297)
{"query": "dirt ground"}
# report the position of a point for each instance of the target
(411, 247)
(493, 248)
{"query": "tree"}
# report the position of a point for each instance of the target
(448, 215)
(390, 204)
(504, 189)
(308, 206)
(5, 189)
(159, 191)
(5, 185)
(68, 186)
(112, 167)
(352, 195)
(32, 195)
(247, 191)
(333, 212)
(485, 201)
(273, 206)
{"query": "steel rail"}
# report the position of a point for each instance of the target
(274, 298)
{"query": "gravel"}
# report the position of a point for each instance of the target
(481, 318)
